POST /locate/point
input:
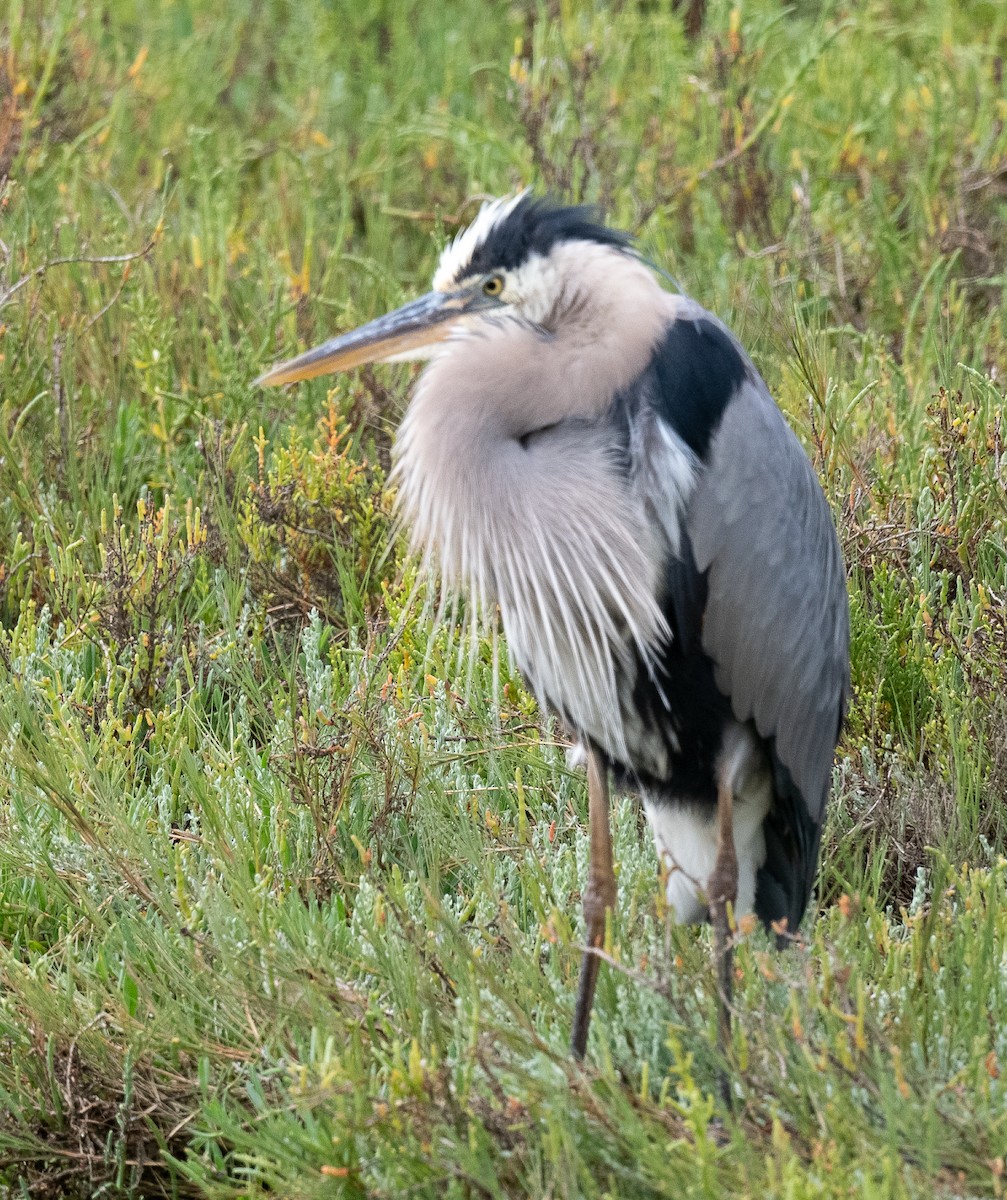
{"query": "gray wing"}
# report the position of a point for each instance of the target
(776, 623)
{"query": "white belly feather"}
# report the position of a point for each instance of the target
(686, 834)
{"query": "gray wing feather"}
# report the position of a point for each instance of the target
(777, 615)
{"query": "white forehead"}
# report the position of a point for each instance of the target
(457, 255)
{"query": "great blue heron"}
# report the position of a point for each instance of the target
(599, 458)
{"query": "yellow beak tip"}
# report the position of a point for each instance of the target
(415, 326)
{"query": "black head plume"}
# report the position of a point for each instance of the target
(533, 226)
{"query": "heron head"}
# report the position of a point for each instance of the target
(521, 260)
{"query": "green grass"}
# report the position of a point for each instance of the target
(285, 907)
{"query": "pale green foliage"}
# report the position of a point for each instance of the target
(289, 890)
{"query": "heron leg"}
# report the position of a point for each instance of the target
(599, 897)
(722, 891)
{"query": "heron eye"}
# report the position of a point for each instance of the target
(493, 286)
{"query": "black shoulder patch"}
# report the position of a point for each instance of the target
(695, 370)
(533, 227)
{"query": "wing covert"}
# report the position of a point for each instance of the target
(777, 617)
(755, 583)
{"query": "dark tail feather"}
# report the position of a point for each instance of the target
(785, 880)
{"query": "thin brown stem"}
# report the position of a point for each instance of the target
(87, 260)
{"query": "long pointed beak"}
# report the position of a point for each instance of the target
(411, 327)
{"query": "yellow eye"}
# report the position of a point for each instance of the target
(493, 286)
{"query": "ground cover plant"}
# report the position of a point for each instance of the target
(290, 907)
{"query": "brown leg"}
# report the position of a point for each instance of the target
(722, 891)
(599, 897)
